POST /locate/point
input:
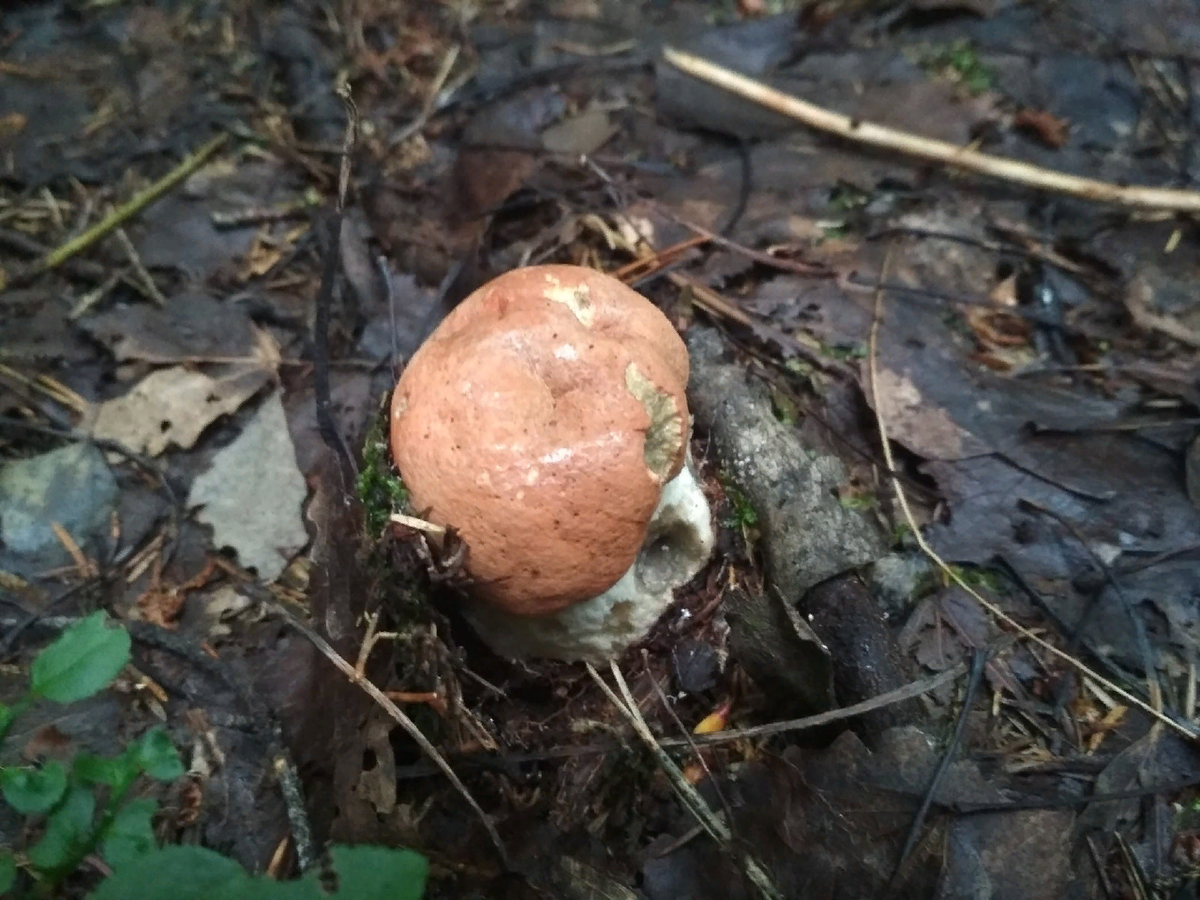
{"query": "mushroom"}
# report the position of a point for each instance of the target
(545, 421)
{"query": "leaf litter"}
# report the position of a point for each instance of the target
(1036, 361)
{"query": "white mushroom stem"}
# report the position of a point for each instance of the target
(677, 546)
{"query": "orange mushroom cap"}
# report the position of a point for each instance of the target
(541, 420)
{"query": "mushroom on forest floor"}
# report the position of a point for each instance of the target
(545, 420)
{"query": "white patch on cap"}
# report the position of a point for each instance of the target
(556, 456)
(566, 351)
(575, 299)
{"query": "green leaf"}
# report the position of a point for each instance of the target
(113, 772)
(177, 873)
(29, 790)
(377, 873)
(68, 831)
(7, 714)
(194, 873)
(131, 832)
(81, 662)
(154, 754)
(8, 871)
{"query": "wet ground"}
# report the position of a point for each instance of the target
(1025, 357)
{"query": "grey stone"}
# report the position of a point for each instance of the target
(72, 486)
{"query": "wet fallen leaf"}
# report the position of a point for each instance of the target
(919, 424)
(192, 325)
(173, 407)
(252, 494)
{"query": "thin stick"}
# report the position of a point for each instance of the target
(143, 273)
(691, 798)
(326, 426)
(687, 736)
(978, 661)
(1001, 615)
(400, 718)
(708, 299)
(926, 148)
(430, 104)
(907, 692)
(1153, 688)
(127, 210)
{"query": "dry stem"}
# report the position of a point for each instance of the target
(125, 212)
(927, 148)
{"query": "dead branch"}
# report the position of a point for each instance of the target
(122, 213)
(927, 148)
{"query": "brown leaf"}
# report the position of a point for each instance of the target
(174, 406)
(1044, 127)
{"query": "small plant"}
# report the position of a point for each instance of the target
(379, 488)
(858, 501)
(834, 231)
(785, 408)
(743, 516)
(844, 352)
(846, 198)
(980, 579)
(194, 873)
(83, 806)
(960, 62)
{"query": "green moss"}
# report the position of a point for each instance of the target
(744, 516)
(861, 502)
(846, 198)
(980, 579)
(960, 62)
(844, 352)
(379, 486)
(834, 232)
(784, 407)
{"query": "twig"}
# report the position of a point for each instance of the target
(416, 524)
(687, 736)
(907, 692)
(784, 265)
(708, 299)
(27, 246)
(978, 661)
(143, 274)
(1153, 688)
(430, 104)
(94, 296)
(687, 792)
(1138, 296)
(400, 718)
(926, 148)
(704, 740)
(956, 577)
(333, 257)
(122, 213)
